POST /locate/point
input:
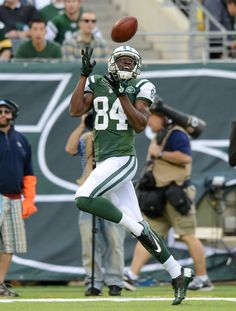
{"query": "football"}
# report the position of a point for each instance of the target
(124, 29)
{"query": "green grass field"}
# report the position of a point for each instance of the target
(57, 298)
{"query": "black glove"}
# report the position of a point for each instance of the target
(87, 66)
(116, 84)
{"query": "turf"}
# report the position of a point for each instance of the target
(35, 298)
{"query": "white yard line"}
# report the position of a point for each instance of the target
(111, 299)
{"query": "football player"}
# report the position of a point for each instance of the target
(120, 104)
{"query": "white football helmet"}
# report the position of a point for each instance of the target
(124, 51)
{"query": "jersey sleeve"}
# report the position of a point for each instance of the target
(147, 91)
(90, 83)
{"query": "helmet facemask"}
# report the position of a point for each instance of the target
(124, 74)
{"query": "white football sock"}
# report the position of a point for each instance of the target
(132, 225)
(173, 267)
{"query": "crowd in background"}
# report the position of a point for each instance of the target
(57, 29)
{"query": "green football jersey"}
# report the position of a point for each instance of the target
(113, 135)
(63, 27)
(50, 11)
(27, 50)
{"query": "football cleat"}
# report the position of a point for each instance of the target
(180, 285)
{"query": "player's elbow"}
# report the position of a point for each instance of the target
(74, 113)
(139, 128)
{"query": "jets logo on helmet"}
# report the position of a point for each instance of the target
(125, 51)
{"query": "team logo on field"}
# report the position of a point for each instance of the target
(130, 89)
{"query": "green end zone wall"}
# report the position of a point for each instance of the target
(43, 92)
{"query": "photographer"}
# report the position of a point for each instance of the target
(168, 202)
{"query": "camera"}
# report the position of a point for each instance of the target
(217, 182)
(192, 124)
(215, 188)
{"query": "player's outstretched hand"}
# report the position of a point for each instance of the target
(87, 65)
(116, 84)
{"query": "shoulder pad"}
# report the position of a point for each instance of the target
(94, 78)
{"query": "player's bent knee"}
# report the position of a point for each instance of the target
(83, 203)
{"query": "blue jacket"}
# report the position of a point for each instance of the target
(15, 161)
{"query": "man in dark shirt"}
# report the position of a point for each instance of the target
(16, 178)
(16, 18)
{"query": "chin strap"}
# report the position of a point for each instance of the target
(29, 192)
(125, 75)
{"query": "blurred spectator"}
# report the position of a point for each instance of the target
(5, 45)
(16, 18)
(224, 11)
(21, 1)
(62, 26)
(38, 46)
(53, 9)
(71, 48)
(183, 5)
(39, 4)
